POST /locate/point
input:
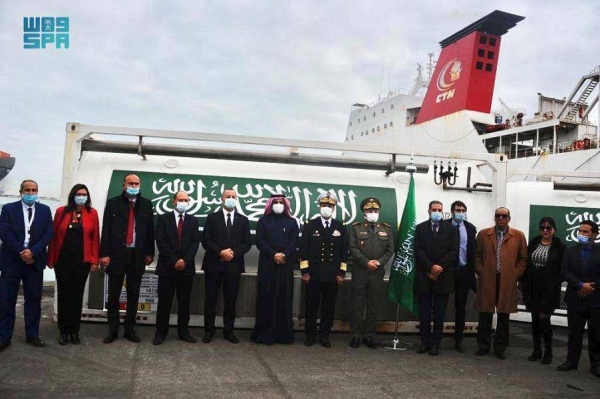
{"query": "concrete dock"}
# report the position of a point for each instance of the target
(220, 369)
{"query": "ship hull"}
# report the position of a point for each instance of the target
(6, 165)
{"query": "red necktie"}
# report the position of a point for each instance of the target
(180, 227)
(130, 224)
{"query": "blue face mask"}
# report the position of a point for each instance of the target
(583, 239)
(230, 203)
(436, 216)
(81, 199)
(182, 206)
(132, 191)
(459, 217)
(29, 199)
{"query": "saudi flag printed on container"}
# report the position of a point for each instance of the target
(402, 274)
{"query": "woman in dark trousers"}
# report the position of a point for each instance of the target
(73, 252)
(541, 286)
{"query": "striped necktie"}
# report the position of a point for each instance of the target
(499, 238)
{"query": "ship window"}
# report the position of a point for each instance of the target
(479, 65)
(373, 130)
(374, 113)
(364, 118)
(392, 106)
(483, 39)
(480, 52)
(352, 138)
(362, 133)
(391, 123)
(382, 110)
(490, 55)
(385, 125)
(492, 41)
(488, 67)
(367, 132)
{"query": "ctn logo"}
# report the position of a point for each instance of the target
(42, 32)
(453, 69)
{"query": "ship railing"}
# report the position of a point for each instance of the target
(564, 146)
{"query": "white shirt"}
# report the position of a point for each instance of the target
(323, 220)
(177, 217)
(27, 223)
(225, 212)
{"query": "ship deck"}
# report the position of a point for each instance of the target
(222, 370)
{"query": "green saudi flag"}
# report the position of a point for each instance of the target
(402, 274)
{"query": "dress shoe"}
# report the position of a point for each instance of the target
(187, 338)
(63, 339)
(434, 351)
(458, 345)
(110, 337)
(547, 358)
(310, 341)
(229, 336)
(35, 341)
(75, 339)
(595, 371)
(566, 366)
(500, 355)
(4, 345)
(482, 352)
(355, 342)
(132, 336)
(158, 339)
(423, 349)
(535, 355)
(325, 342)
(369, 342)
(208, 336)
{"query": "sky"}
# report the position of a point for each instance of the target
(265, 68)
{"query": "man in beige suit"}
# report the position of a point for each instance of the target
(500, 259)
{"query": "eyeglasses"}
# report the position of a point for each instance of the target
(546, 228)
(499, 216)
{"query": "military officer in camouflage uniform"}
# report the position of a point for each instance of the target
(323, 257)
(371, 247)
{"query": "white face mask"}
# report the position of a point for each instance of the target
(372, 217)
(278, 208)
(326, 212)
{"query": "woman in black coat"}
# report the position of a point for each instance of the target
(541, 286)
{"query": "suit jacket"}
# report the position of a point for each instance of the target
(575, 272)
(114, 232)
(324, 254)
(471, 247)
(440, 249)
(216, 239)
(91, 235)
(170, 250)
(514, 262)
(12, 234)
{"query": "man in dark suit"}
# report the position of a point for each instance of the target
(226, 241)
(25, 231)
(323, 254)
(581, 270)
(177, 239)
(464, 274)
(126, 248)
(435, 255)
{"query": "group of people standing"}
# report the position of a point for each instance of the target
(450, 257)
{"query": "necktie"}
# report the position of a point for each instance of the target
(130, 223)
(180, 227)
(327, 225)
(500, 236)
(29, 214)
(229, 225)
(435, 228)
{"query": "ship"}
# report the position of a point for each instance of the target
(6, 164)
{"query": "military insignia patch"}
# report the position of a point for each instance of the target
(336, 233)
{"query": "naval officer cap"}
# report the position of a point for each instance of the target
(327, 198)
(370, 203)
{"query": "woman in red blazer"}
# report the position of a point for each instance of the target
(73, 252)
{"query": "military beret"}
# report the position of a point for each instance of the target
(370, 203)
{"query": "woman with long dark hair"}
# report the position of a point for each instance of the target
(73, 252)
(541, 286)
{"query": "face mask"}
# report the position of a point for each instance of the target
(29, 199)
(230, 203)
(81, 199)
(278, 208)
(372, 217)
(132, 191)
(459, 217)
(181, 206)
(583, 239)
(326, 212)
(436, 216)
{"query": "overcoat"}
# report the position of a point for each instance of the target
(514, 264)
